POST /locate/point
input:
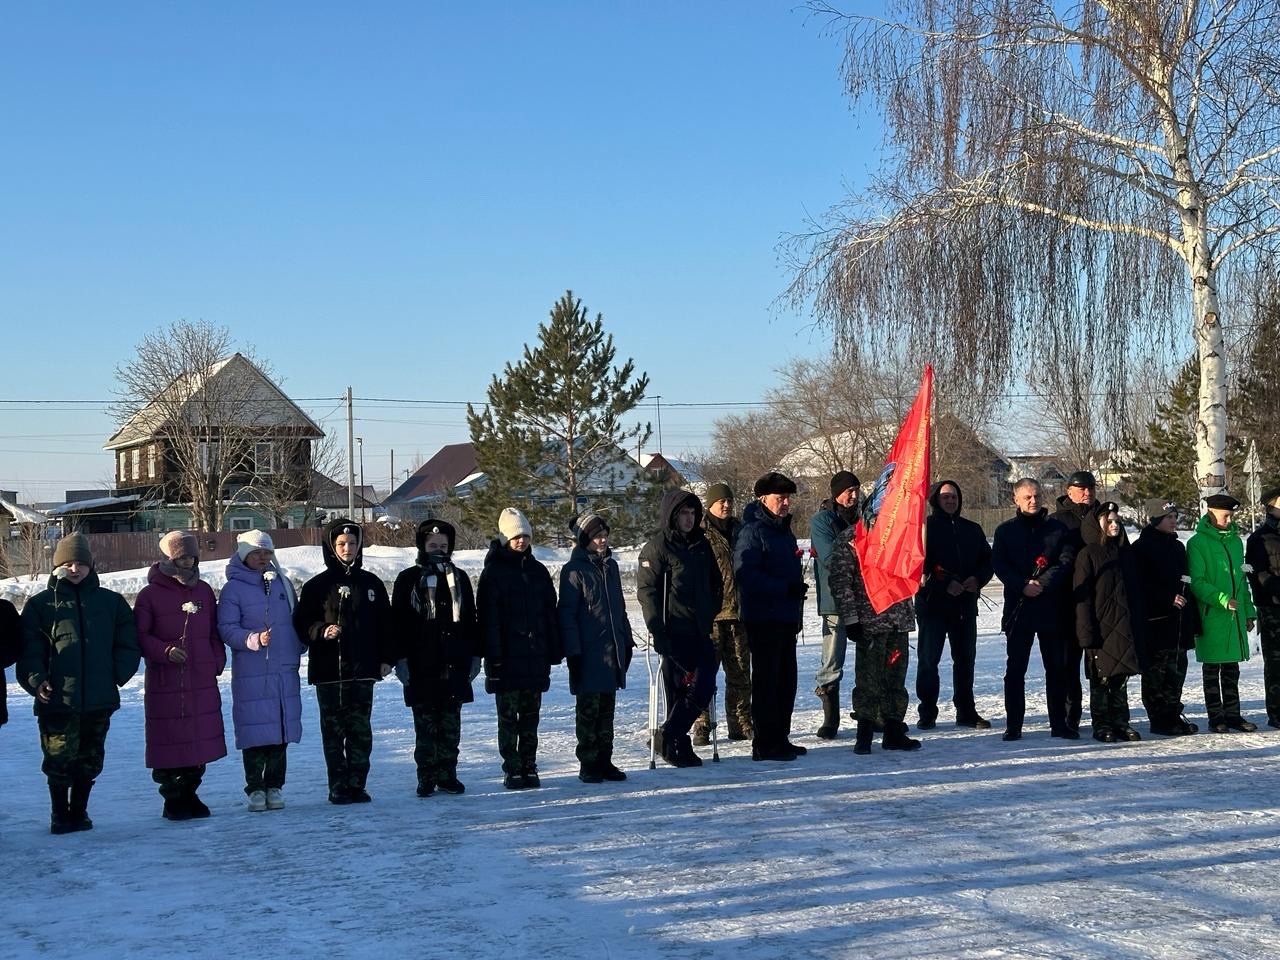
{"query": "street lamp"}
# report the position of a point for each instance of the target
(360, 448)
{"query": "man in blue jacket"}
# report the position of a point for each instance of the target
(771, 589)
(837, 515)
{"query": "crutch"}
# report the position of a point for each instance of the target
(657, 701)
(715, 744)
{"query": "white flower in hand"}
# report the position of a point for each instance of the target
(269, 575)
(1185, 578)
(190, 607)
(1247, 567)
(61, 573)
(344, 593)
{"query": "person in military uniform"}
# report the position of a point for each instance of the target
(727, 635)
(79, 646)
(433, 611)
(1172, 619)
(837, 515)
(344, 617)
(1262, 553)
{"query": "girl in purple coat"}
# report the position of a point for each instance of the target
(255, 618)
(175, 617)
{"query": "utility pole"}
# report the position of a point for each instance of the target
(351, 463)
(360, 447)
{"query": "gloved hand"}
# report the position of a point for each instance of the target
(797, 590)
(575, 666)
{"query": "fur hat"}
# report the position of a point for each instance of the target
(843, 481)
(513, 523)
(717, 492)
(774, 482)
(73, 548)
(426, 528)
(252, 540)
(179, 543)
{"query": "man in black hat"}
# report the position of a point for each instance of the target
(1078, 505)
(836, 516)
(771, 591)
(1262, 552)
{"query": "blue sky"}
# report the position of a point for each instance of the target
(391, 197)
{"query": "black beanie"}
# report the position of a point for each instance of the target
(842, 481)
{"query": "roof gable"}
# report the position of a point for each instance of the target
(451, 464)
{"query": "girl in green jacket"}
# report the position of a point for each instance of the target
(1215, 560)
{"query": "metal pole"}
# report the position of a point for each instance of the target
(351, 464)
(360, 446)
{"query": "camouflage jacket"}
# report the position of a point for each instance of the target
(722, 546)
(850, 594)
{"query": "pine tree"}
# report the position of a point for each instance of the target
(1257, 395)
(1165, 463)
(551, 440)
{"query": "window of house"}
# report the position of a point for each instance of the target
(208, 456)
(152, 453)
(137, 462)
(262, 459)
(121, 460)
(241, 523)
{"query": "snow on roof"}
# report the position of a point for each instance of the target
(23, 514)
(79, 506)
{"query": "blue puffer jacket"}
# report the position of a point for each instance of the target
(766, 565)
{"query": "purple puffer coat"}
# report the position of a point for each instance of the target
(183, 705)
(266, 694)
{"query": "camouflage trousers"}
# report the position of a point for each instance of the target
(1162, 680)
(345, 709)
(731, 650)
(1221, 691)
(74, 746)
(880, 676)
(1108, 703)
(437, 733)
(594, 726)
(264, 767)
(1269, 632)
(178, 782)
(518, 712)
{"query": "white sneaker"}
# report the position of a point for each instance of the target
(257, 801)
(275, 798)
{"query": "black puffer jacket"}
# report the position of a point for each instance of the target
(593, 623)
(10, 647)
(1262, 552)
(354, 599)
(436, 638)
(1108, 600)
(678, 583)
(1162, 563)
(955, 549)
(519, 629)
(1018, 544)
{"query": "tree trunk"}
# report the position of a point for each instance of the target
(1211, 426)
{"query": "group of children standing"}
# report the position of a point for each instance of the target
(77, 643)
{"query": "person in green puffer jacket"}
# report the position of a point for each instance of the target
(79, 646)
(1215, 561)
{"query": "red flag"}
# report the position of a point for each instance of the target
(890, 535)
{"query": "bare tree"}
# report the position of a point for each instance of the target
(1085, 173)
(210, 408)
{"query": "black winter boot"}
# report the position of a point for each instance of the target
(78, 807)
(866, 733)
(59, 818)
(830, 697)
(895, 738)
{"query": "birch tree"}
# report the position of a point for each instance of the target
(1092, 171)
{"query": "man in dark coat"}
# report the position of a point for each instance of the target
(1262, 552)
(520, 633)
(79, 646)
(344, 616)
(10, 647)
(826, 535)
(957, 565)
(1031, 556)
(766, 566)
(678, 586)
(597, 644)
(1109, 620)
(438, 644)
(1172, 619)
(1076, 507)
(728, 638)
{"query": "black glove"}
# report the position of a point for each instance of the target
(575, 666)
(797, 590)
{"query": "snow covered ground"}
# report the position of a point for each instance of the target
(970, 847)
